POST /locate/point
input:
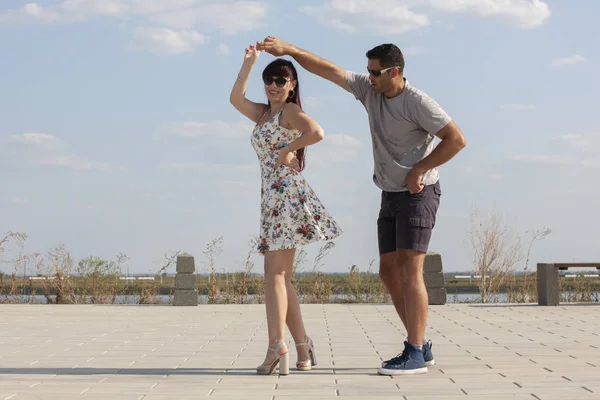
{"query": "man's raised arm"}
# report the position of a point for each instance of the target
(311, 62)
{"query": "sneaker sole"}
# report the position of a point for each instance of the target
(427, 363)
(388, 372)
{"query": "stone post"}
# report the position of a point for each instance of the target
(185, 282)
(434, 279)
(548, 287)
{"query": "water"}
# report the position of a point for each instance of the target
(165, 299)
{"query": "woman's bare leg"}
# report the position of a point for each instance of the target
(294, 316)
(276, 297)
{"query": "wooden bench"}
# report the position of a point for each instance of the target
(548, 287)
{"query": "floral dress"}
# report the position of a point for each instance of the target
(291, 213)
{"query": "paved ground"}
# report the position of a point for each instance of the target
(165, 352)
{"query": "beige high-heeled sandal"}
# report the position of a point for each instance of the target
(306, 365)
(282, 359)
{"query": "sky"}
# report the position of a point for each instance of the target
(117, 136)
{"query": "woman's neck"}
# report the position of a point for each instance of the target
(277, 106)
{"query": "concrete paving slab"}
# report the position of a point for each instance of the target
(489, 352)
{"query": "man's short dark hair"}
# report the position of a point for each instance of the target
(389, 55)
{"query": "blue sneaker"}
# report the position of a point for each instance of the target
(427, 355)
(410, 362)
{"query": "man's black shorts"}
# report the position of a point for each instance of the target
(406, 220)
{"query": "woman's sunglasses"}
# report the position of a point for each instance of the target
(280, 82)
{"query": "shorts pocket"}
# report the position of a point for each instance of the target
(437, 189)
(416, 196)
(421, 222)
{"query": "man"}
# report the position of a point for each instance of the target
(403, 122)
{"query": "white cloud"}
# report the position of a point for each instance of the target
(223, 49)
(166, 41)
(239, 190)
(36, 139)
(81, 164)
(383, 17)
(483, 173)
(121, 7)
(215, 129)
(342, 141)
(387, 17)
(587, 154)
(336, 148)
(591, 162)
(311, 101)
(30, 12)
(525, 14)
(176, 25)
(45, 149)
(83, 10)
(586, 143)
(557, 160)
(518, 107)
(213, 169)
(228, 18)
(544, 158)
(412, 51)
(19, 200)
(573, 60)
(185, 166)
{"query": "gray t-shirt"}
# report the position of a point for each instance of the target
(403, 130)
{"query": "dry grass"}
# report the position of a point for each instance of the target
(365, 287)
(496, 252)
(97, 281)
(91, 280)
(583, 291)
(525, 289)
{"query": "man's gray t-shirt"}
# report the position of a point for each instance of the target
(403, 130)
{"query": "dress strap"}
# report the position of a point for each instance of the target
(261, 117)
(269, 109)
(283, 106)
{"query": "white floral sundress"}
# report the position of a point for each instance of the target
(291, 213)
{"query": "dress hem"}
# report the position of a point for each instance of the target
(301, 244)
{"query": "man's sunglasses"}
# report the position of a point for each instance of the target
(379, 72)
(280, 82)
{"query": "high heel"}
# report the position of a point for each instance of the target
(306, 365)
(282, 359)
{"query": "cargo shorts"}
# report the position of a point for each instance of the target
(406, 220)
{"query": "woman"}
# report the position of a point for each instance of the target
(291, 213)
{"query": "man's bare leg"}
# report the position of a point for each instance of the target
(404, 280)
(415, 294)
(392, 276)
